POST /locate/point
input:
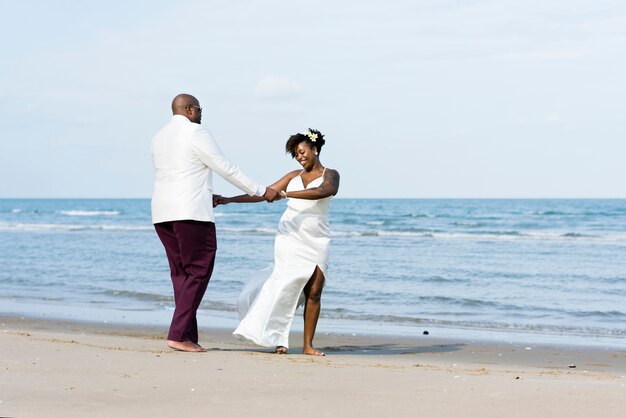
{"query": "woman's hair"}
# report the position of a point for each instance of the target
(312, 137)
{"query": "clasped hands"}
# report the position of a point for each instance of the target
(271, 195)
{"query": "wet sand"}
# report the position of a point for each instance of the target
(53, 368)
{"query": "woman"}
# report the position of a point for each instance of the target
(300, 251)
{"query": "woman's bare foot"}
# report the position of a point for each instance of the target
(281, 350)
(185, 346)
(312, 352)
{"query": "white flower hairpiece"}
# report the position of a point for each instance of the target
(311, 135)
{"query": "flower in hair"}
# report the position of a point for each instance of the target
(312, 136)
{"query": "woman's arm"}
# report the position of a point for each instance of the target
(244, 198)
(329, 187)
(279, 186)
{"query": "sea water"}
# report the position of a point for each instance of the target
(549, 268)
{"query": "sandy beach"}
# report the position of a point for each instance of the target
(71, 369)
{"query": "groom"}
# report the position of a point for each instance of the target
(184, 156)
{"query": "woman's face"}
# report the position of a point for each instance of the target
(305, 155)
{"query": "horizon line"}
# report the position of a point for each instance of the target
(341, 197)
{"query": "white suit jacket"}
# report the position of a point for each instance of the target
(185, 155)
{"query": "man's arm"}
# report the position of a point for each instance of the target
(210, 154)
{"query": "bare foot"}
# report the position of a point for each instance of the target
(185, 346)
(281, 350)
(312, 352)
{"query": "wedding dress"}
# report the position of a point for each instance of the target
(267, 304)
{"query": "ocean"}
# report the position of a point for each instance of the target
(540, 270)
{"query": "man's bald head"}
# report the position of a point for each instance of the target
(188, 106)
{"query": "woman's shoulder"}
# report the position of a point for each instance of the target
(293, 174)
(331, 171)
(290, 176)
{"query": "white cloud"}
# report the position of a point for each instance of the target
(271, 87)
(553, 118)
(30, 108)
(545, 55)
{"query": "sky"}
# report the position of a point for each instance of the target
(417, 99)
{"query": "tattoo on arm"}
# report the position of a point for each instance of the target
(332, 181)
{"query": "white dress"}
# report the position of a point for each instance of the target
(267, 305)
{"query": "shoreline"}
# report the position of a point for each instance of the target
(72, 368)
(228, 320)
(353, 343)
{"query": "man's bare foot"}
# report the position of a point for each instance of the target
(312, 352)
(185, 346)
(281, 350)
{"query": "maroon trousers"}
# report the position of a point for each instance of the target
(190, 247)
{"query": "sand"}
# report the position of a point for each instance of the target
(70, 369)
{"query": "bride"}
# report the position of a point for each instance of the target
(300, 251)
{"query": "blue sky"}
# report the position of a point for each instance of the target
(491, 99)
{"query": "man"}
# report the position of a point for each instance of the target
(184, 156)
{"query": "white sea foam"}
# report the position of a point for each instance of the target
(500, 236)
(90, 212)
(255, 231)
(39, 227)
(241, 215)
(468, 223)
(496, 235)
(125, 227)
(43, 227)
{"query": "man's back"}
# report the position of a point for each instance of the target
(182, 187)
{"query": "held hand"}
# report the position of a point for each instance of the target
(270, 194)
(283, 194)
(219, 200)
